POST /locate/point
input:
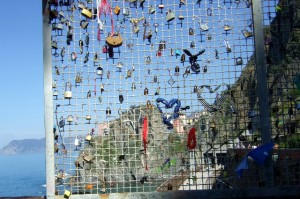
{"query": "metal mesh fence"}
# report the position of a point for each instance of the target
(162, 95)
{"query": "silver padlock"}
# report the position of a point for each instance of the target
(170, 16)
(238, 61)
(68, 92)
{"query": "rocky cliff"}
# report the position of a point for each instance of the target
(24, 146)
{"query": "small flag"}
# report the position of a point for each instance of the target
(243, 166)
(260, 153)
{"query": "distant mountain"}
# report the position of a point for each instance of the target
(24, 146)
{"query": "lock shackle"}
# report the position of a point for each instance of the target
(68, 85)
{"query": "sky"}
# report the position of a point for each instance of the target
(21, 75)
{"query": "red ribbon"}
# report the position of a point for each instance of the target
(145, 135)
(192, 139)
(105, 8)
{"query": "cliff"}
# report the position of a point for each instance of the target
(24, 146)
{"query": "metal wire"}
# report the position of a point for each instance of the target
(216, 90)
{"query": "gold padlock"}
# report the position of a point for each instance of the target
(85, 12)
(117, 10)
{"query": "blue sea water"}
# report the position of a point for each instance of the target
(22, 175)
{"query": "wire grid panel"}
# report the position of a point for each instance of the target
(281, 22)
(160, 111)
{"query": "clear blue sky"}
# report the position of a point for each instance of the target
(21, 75)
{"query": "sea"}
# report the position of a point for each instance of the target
(22, 175)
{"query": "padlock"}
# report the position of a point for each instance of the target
(192, 45)
(191, 31)
(126, 12)
(81, 5)
(195, 89)
(205, 69)
(151, 10)
(146, 91)
(204, 27)
(157, 91)
(73, 56)
(128, 74)
(87, 39)
(84, 24)
(227, 28)
(149, 105)
(209, 37)
(77, 142)
(59, 26)
(55, 93)
(228, 49)
(102, 88)
(121, 98)
(119, 65)
(148, 60)
(108, 111)
(70, 119)
(61, 122)
(104, 49)
(117, 10)
(54, 45)
(89, 94)
(238, 61)
(177, 52)
(133, 87)
(162, 45)
(155, 78)
(100, 71)
(67, 194)
(88, 117)
(54, 84)
(86, 13)
(247, 34)
(170, 16)
(182, 59)
(177, 70)
(95, 57)
(100, 99)
(56, 148)
(68, 92)
(158, 53)
(86, 57)
(80, 43)
(78, 78)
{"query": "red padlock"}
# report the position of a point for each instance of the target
(104, 49)
(158, 54)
